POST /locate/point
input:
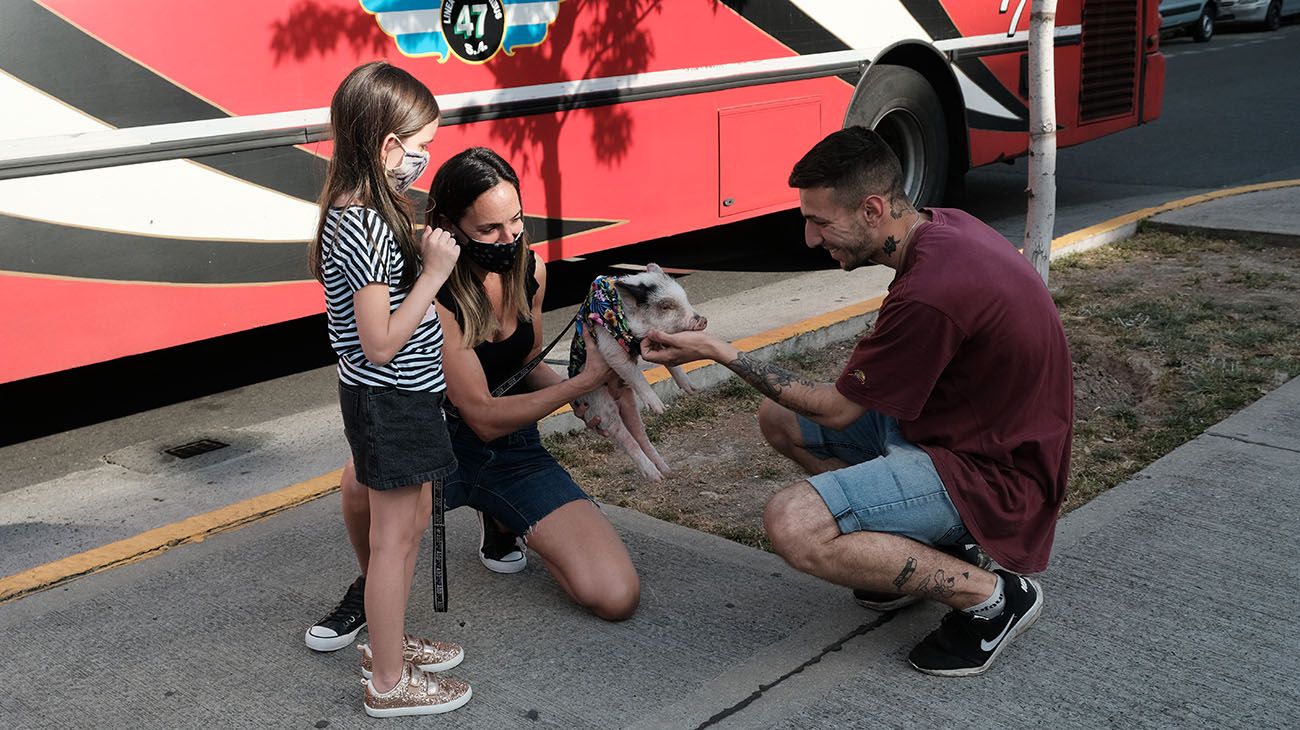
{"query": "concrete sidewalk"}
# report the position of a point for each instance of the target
(1167, 605)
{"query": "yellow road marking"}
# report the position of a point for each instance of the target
(197, 528)
(154, 542)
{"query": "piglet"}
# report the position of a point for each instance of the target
(619, 312)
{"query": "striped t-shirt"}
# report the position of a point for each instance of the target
(357, 249)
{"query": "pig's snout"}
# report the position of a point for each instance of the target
(699, 322)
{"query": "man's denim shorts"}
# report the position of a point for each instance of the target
(513, 478)
(889, 486)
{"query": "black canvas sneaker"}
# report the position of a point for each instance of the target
(340, 626)
(965, 644)
(501, 551)
(972, 554)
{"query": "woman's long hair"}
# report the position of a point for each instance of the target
(457, 184)
(375, 100)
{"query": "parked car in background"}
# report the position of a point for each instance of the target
(1197, 16)
(1266, 13)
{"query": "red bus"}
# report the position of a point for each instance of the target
(161, 159)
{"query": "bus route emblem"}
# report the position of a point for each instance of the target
(473, 31)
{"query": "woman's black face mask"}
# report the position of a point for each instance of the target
(494, 257)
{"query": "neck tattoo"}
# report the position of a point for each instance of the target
(891, 245)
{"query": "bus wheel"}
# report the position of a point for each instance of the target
(904, 109)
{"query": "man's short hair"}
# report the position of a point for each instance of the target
(854, 162)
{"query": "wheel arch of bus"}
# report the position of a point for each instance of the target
(935, 68)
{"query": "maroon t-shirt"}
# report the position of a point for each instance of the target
(968, 353)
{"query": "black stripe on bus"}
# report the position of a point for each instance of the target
(50, 54)
(85, 253)
(793, 28)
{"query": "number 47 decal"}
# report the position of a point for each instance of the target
(469, 28)
(1015, 18)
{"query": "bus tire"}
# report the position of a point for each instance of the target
(902, 107)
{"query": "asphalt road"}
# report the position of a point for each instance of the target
(1229, 118)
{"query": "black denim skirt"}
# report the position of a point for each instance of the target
(398, 437)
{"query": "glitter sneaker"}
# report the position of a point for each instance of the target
(417, 693)
(427, 656)
(340, 626)
(500, 551)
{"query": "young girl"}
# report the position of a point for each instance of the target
(380, 283)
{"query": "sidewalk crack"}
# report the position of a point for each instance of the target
(1253, 443)
(763, 688)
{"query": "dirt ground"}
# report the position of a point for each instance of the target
(1169, 334)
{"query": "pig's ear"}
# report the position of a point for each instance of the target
(654, 268)
(639, 292)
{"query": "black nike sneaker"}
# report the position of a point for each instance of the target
(340, 626)
(972, 554)
(965, 644)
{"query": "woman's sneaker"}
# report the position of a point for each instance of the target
(966, 644)
(427, 656)
(340, 626)
(500, 551)
(972, 554)
(417, 693)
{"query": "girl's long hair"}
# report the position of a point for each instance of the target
(457, 184)
(375, 100)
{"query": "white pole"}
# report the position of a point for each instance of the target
(1041, 217)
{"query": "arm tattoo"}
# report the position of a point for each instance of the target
(769, 379)
(938, 586)
(906, 573)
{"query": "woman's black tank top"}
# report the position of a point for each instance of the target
(502, 359)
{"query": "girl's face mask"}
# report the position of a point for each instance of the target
(409, 169)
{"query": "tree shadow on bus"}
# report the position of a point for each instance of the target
(611, 42)
(312, 27)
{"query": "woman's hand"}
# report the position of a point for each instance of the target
(597, 370)
(438, 252)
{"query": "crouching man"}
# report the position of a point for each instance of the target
(950, 424)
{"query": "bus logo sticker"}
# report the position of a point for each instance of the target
(473, 31)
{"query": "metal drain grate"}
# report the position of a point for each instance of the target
(194, 448)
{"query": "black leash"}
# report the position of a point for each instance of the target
(439, 524)
(529, 366)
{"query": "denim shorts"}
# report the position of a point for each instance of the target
(513, 478)
(397, 436)
(889, 486)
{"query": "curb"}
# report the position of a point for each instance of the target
(159, 540)
(811, 333)
(1124, 226)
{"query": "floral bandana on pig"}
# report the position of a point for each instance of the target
(602, 308)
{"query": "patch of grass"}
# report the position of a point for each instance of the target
(1252, 279)
(751, 536)
(1223, 338)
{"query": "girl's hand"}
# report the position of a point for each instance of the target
(438, 252)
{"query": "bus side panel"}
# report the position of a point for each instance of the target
(58, 324)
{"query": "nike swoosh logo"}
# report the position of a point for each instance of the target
(988, 645)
